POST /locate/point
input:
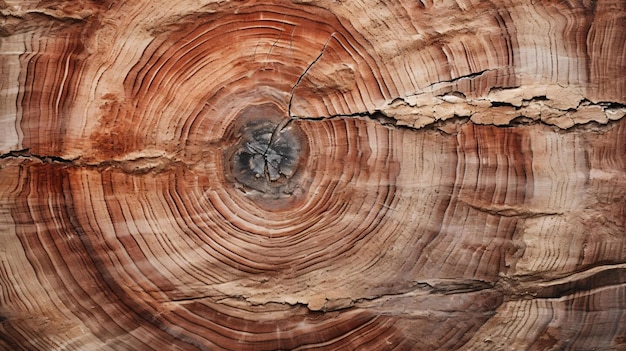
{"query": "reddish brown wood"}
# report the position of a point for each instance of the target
(273, 175)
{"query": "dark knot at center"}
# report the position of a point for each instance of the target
(267, 152)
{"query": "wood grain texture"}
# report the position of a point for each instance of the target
(275, 175)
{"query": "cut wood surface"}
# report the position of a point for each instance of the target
(337, 175)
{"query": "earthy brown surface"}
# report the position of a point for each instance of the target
(200, 175)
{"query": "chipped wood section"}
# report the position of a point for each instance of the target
(274, 175)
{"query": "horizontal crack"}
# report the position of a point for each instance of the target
(528, 287)
(563, 107)
(511, 211)
(137, 165)
(376, 116)
(25, 153)
(512, 288)
(466, 76)
(451, 125)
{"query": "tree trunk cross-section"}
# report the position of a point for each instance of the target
(296, 175)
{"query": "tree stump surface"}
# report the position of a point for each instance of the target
(339, 175)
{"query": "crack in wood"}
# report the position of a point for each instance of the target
(511, 211)
(465, 76)
(291, 93)
(135, 165)
(586, 281)
(510, 287)
(25, 153)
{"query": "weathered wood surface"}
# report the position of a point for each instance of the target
(200, 175)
